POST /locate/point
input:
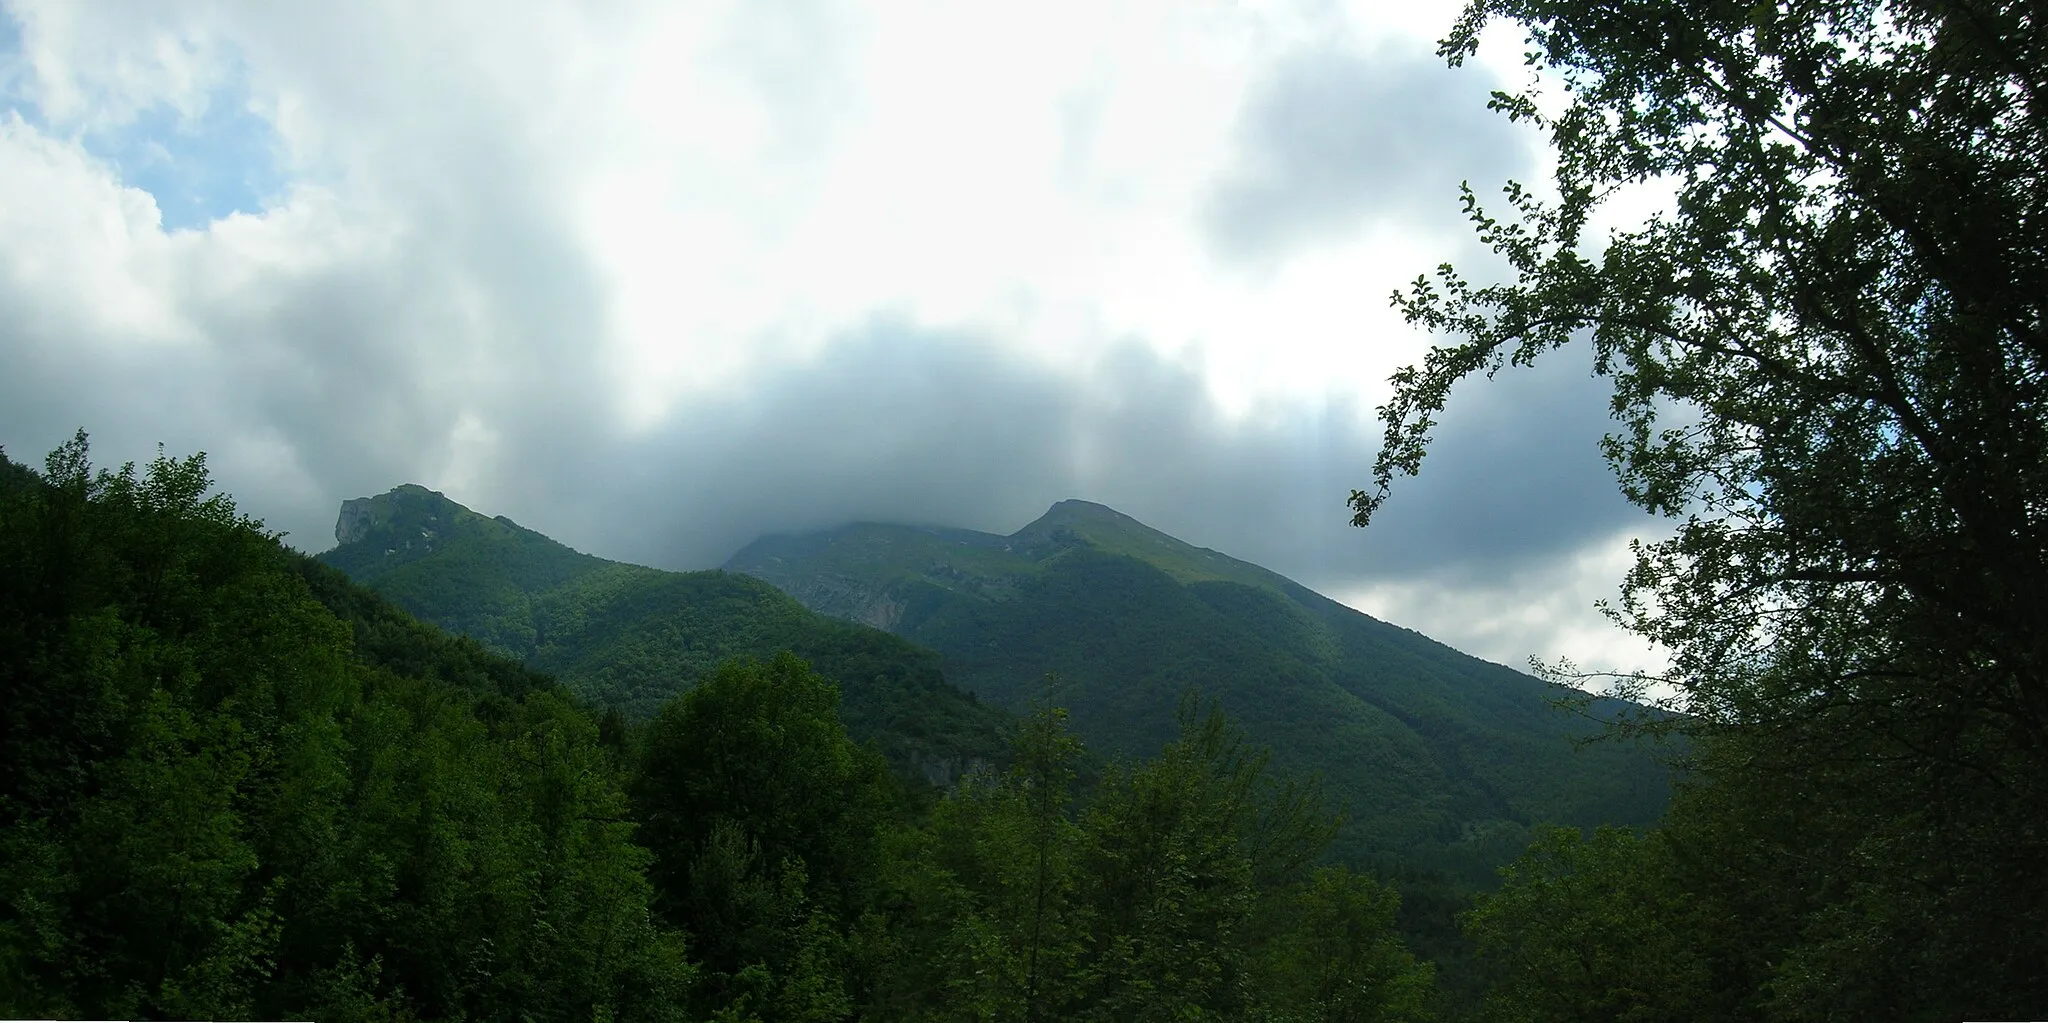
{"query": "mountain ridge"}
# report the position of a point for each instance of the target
(1062, 515)
(1435, 747)
(934, 632)
(1062, 525)
(633, 637)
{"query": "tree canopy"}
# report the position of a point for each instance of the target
(234, 785)
(217, 802)
(1828, 356)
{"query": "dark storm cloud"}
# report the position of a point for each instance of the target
(898, 424)
(1514, 475)
(891, 423)
(346, 374)
(1333, 138)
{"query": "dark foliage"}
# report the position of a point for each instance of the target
(213, 807)
(1830, 367)
(238, 786)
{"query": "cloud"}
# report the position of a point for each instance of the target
(1335, 137)
(1541, 609)
(1513, 472)
(1500, 547)
(657, 278)
(201, 154)
(896, 422)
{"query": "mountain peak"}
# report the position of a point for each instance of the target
(407, 522)
(363, 515)
(1431, 749)
(1113, 532)
(1085, 518)
(1074, 506)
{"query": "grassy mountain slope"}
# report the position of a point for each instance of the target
(1437, 755)
(632, 637)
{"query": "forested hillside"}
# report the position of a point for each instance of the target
(452, 770)
(227, 797)
(1438, 766)
(238, 786)
(630, 638)
(1439, 758)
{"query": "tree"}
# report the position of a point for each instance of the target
(1179, 852)
(760, 747)
(1593, 928)
(1334, 955)
(984, 894)
(763, 818)
(1828, 359)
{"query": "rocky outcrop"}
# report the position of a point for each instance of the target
(357, 516)
(879, 611)
(947, 771)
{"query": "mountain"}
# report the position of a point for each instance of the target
(632, 637)
(1437, 755)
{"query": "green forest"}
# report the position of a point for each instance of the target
(1435, 760)
(239, 782)
(240, 786)
(628, 638)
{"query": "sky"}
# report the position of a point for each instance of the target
(657, 278)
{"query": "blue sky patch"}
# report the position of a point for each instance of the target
(11, 67)
(199, 169)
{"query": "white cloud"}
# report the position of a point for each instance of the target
(511, 238)
(1546, 611)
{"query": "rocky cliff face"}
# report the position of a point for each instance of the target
(357, 517)
(947, 771)
(876, 604)
(843, 597)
